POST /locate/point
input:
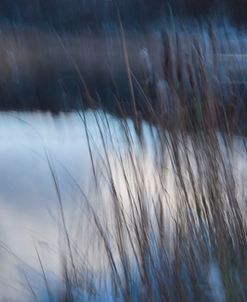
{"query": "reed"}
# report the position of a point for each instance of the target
(168, 220)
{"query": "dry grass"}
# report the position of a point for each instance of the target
(168, 222)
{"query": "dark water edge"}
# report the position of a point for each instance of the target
(65, 93)
(52, 72)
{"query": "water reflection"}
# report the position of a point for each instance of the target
(28, 199)
(29, 208)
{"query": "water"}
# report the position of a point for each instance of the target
(30, 222)
(28, 198)
(29, 208)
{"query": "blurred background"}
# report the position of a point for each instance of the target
(181, 64)
(46, 47)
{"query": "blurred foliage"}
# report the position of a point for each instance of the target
(95, 14)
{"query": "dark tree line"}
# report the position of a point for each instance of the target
(77, 14)
(74, 14)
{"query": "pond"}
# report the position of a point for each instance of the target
(32, 148)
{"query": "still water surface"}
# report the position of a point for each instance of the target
(29, 215)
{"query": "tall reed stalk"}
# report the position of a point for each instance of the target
(168, 220)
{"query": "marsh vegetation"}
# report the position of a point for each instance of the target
(136, 189)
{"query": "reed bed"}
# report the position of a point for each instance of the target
(168, 217)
